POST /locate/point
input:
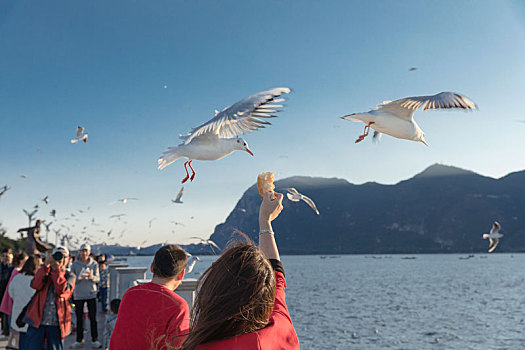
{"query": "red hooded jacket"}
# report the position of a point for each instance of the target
(64, 286)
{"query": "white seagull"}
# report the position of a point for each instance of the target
(493, 236)
(80, 135)
(395, 118)
(294, 196)
(218, 137)
(179, 196)
(208, 242)
(124, 200)
(192, 260)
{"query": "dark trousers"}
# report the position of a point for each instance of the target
(104, 298)
(34, 338)
(22, 341)
(79, 311)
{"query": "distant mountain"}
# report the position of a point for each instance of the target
(442, 209)
(196, 249)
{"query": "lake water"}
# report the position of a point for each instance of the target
(390, 302)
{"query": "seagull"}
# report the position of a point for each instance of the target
(53, 213)
(23, 176)
(395, 118)
(124, 200)
(179, 196)
(45, 199)
(493, 236)
(208, 242)
(177, 223)
(294, 196)
(192, 260)
(48, 225)
(4, 190)
(117, 216)
(150, 221)
(80, 135)
(411, 69)
(218, 137)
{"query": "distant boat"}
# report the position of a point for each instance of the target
(408, 258)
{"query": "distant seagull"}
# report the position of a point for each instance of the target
(45, 199)
(117, 216)
(124, 200)
(493, 236)
(150, 221)
(412, 69)
(80, 135)
(192, 260)
(23, 176)
(36, 206)
(243, 210)
(38, 150)
(218, 137)
(139, 247)
(177, 223)
(165, 86)
(192, 217)
(179, 196)
(294, 196)
(208, 242)
(48, 225)
(4, 190)
(396, 118)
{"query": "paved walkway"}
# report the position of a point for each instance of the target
(70, 339)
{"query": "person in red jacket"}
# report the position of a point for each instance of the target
(151, 316)
(49, 313)
(241, 301)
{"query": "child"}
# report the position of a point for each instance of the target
(103, 285)
(110, 321)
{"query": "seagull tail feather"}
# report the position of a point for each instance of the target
(168, 156)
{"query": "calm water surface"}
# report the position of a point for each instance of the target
(390, 302)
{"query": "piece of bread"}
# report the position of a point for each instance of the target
(265, 183)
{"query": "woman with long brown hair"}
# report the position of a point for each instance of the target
(241, 300)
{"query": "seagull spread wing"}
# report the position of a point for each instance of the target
(293, 191)
(493, 244)
(242, 117)
(406, 107)
(310, 202)
(495, 227)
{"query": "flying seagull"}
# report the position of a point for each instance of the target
(411, 69)
(53, 213)
(493, 236)
(218, 137)
(179, 196)
(117, 216)
(45, 199)
(150, 221)
(4, 190)
(208, 242)
(80, 135)
(192, 260)
(395, 118)
(294, 196)
(124, 200)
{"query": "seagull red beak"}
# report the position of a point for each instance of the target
(247, 150)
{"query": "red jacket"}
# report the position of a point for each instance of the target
(64, 291)
(150, 317)
(279, 334)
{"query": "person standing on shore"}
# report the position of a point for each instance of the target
(241, 301)
(49, 313)
(86, 271)
(151, 316)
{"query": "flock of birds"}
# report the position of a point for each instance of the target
(219, 136)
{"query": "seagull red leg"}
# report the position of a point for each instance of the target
(187, 174)
(365, 133)
(192, 175)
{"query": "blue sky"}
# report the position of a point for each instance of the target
(104, 66)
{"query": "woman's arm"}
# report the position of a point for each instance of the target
(271, 207)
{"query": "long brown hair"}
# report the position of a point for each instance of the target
(236, 296)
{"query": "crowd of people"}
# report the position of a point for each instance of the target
(240, 303)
